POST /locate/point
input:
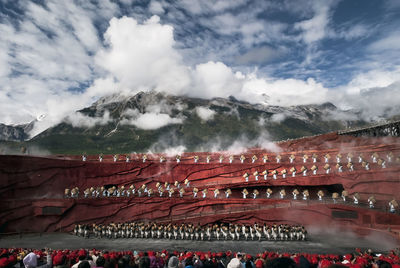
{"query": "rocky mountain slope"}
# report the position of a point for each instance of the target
(155, 121)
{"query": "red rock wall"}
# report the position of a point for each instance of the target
(29, 184)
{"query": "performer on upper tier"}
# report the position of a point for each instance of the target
(375, 157)
(181, 192)
(339, 167)
(292, 157)
(162, 159)
(100, 157)
(295, 193)
(171, 192)
(274, 174)
(245, 193)
(278, 158)
(306, 194)
(84, 157)
(393, 206)
(268, 193)
(208, 159)
(256, 175)
(195, 191)
(283, 172)
(187, 183)
(265, 158)
(344, 195)
(265, 174)
(335, 196)
(228, 192)
(246, 177)
(178, 159)
(326, 158)
(350, 157)
(314, 169)
(161, 191)
(360, 158)
(305, 158)
(196, 158)
(67, 193)
(356, 197)
(205, 191)
(350, 166)
(242, 158)
(216, 193)
(389, 157)
(338, 158)
(382, 163)
(282, 193)
(293, 171)
(255, 193)
(327, 168)
(231, 158)
(254, 159)
(303, 170)
(365, 165)
(115, 158)
(320, 195)
(371, 201)
(221, 158)
(314, 158)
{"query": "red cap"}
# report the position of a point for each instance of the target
(3, 262)
(259, 264)
(82, 252)
(12, 259)
(58, 259)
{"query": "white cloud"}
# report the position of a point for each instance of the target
(78, 119)
(56, 48)
(390, 42)
(277, 118)
(142, 57)
(48, 54)
(205, 113)
(315, 28)
(150, 121)
(156, 7)
(214, 79)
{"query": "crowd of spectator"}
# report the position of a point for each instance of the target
(45, 258)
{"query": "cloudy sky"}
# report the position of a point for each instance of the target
(60, 56)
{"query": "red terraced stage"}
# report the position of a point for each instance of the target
(32, 188)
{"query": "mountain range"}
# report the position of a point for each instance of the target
(156, 121)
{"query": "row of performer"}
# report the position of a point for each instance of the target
(167, 187)
(148, 192)
(375, 157)
(192, 232)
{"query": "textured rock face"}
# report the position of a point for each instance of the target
(12, 133)
(32, 188)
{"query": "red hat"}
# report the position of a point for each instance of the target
(58, 259)
(348, 257)
(324, 263)
(12, 259)
(3, 262)
(82, 252)
(259, 263)
(248, 256)
(189, 255)
(3, 252)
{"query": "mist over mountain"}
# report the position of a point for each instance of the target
(153, 121)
